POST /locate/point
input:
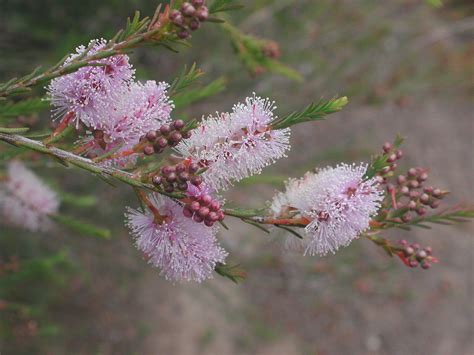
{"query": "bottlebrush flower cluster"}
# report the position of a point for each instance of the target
(233, 146)
(181, 248)
(25, 201)
(116, 110)
(337, 204)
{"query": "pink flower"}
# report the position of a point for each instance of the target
(137, 110)
(181, 248)
(236, 145)
(338, 202)
(25, 201)
(82, 91)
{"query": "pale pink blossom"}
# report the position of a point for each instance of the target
(338, 203)
(82, 91)
(235, 145)
(183, 250)
(25, 201)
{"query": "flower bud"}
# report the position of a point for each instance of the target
(412, 172)
(421, 211)
(194, 24)
(399, 154)
(425, 199)
(409, 251)
(161, 142)
(165, 129)
(411, 205)
(187, 9)
(178, 124)
(193, 168)
(405, 190)
(183, 34)
(392, 158)
(148, 150)
(386, 147)
(195, 206)
(169, 188)
(206, 199)
(198, 3)
(157, 180)
(197, 218)
(413, 184)
(401, 179)
(203, 212)
(187, 211)
(196, 180)
(183, 186)
(171, 178)
(425, 265)
(202, 13)
(151, 136)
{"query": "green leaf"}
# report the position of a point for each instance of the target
(185, 78)
(10, 110)
(434, 3)
(14, 130)
(189, 97)
(78, 201)
(81, 227)
(313, 112)
(233, 272)
(224, 5)
(379, 162)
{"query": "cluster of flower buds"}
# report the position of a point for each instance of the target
(413, 255)
(167, 135)
(189, 17)
(176, 177)
(412, 195)
(392, 155)
(204, 209)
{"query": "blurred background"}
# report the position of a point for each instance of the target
(406, 66)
